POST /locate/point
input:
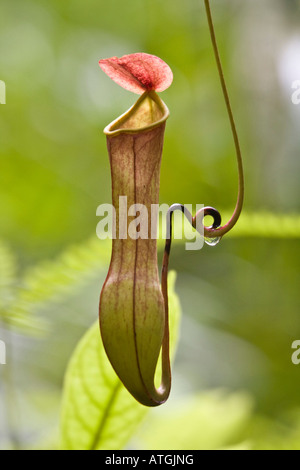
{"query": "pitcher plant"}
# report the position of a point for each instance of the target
(133, 309)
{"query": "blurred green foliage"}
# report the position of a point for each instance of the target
(240, 300)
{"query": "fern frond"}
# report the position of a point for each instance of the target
(266, 225)
(51, 281)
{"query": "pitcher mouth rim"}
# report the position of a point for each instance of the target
(154, 96)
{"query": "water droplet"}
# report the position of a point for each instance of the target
(212, 241)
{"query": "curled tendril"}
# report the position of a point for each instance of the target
(165, 265)
(216, 230)
(210, 232)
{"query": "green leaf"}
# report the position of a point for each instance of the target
(97, 411)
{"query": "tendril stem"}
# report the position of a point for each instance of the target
(219, 232)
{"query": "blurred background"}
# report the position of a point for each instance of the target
(240, 299)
